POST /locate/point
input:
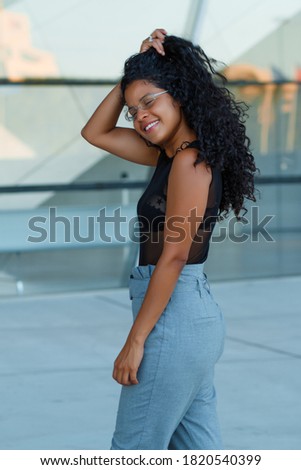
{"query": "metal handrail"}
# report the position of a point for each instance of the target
(87, 81)
(109, 185)
(92, 186)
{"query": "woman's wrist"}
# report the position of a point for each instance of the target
(137, 337)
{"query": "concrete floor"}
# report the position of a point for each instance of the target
(57, 351)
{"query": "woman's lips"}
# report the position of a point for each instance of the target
(150, 126)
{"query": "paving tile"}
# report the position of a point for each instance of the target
(57, 353)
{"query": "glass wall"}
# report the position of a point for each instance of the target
(41, 145)
(266, 243)
(269, 242)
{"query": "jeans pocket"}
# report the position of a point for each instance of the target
(211, 308)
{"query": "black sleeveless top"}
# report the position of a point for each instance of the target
(151, 214)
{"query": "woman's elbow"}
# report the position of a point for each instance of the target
(85, 134)
(94, 138)
(90, 137)
(176, 258)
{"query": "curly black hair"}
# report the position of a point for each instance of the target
(210, 109)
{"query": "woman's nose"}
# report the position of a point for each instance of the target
(141, 114)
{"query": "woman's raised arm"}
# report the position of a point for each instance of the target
(101, 131)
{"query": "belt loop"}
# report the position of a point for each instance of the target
(206, 283)
(199, 283)
(130, 286)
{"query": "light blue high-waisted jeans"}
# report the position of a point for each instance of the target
(174, 404)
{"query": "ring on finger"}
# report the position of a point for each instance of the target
(150, 38)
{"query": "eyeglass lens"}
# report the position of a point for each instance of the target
(145, 103)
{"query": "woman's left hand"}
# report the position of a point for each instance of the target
(127, 363)
(155, 40)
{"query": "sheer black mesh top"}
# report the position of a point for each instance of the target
(151, 214)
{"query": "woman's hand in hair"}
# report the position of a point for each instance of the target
(155, 40)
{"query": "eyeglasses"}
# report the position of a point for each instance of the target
(146, 102)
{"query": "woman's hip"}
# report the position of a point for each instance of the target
(191, 320)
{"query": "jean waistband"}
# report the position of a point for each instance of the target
(192, 277)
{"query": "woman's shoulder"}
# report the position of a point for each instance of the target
(196, 144)
(190, 153)
(184, 165)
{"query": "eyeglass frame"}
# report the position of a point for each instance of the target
(129, 117)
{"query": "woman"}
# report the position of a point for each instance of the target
(192, 131)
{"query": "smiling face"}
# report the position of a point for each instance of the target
(163, 121)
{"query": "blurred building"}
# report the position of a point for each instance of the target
(19, 58)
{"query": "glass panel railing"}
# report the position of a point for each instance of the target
(61, 246)
(47, 149)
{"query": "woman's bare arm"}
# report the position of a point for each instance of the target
(188, 189)
(126, 143)
(101, 129)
